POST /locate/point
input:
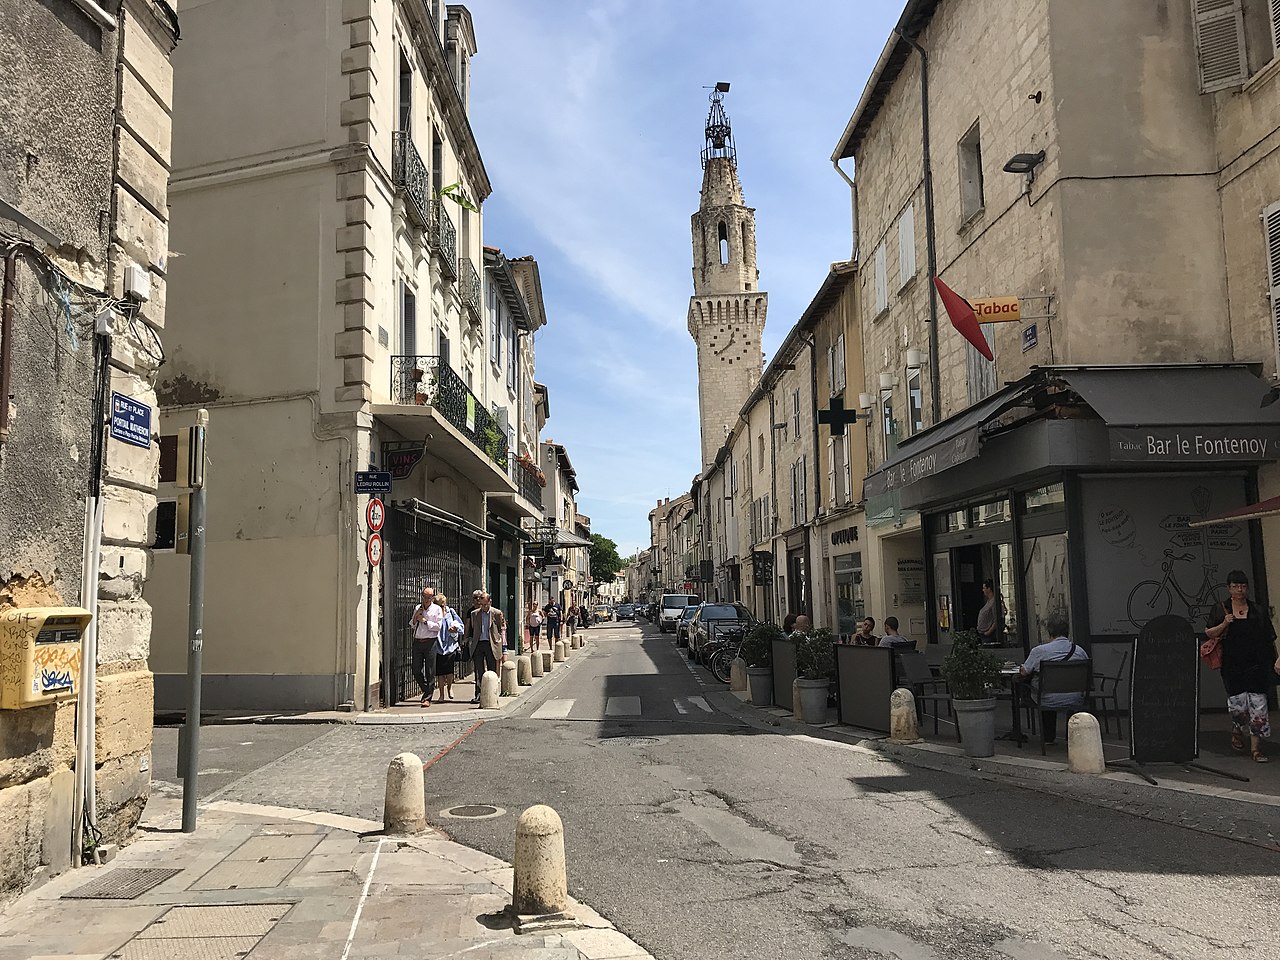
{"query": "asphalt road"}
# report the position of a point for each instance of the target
(228, 751)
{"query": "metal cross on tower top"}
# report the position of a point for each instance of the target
(837, 417)
(719, 133)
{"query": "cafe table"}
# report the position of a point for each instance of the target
(1009, 676)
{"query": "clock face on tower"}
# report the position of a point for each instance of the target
(733, 336)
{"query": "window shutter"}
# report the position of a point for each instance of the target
(804, 490)
(839, 364)
(1275, 27)
(1271, 227)
(1219, 35)
(846, 481)
(832, 498)
(882, 283)
(907, 245)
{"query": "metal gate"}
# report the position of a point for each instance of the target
(423, 553)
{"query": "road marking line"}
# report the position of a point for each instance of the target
(701, 703)
(680, 707)
(364, 895)
(622, 707)
(554, 710)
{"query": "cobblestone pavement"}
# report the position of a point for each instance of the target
(281, 884)
(345, 769)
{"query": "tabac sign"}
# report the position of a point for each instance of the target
(997, 309)
(1195, 444)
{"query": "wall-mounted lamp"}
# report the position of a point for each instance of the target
(888, 381)
(915, 359)
(866, 401)
(1025, 163)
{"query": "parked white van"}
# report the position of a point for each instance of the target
(671, 607)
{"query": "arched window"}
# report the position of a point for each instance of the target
(724, 243)
(744, 240)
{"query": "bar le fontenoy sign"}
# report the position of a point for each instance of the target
(1195, 444)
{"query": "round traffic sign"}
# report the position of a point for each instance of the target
(373, 549)
(375, 514)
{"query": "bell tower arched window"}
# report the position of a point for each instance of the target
(724, 243)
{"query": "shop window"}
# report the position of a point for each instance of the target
(955, 520)
(1042, 500)
(851, 607)
(997, 511)
(1045, 583)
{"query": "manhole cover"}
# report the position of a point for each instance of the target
(473, 811)
(631, 741)
(122, 883)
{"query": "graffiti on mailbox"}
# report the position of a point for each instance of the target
(55, 667)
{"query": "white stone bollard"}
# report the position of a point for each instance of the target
(577, 641)
(547, 660)
(796, 705)
(404, 810)
(524, 670)
(903, 724)
(558, 656)
(1084, 745)
(489, 691)
(738, 674)
(535, 662)
(510, 684)
(540, 890)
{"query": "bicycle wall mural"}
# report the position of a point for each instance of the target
(1144, 561)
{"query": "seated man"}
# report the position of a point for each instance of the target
(892, 638)
(1061, 647)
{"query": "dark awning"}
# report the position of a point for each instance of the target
(1254, 511)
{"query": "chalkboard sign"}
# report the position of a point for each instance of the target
(1164, 693)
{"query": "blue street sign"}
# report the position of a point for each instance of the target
(130, 421)
(1029, 338)
(373, 482)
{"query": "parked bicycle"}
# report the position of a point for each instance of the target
(723, 651)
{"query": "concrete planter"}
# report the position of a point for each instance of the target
(976, 720)
(813, 700)
(760, 683)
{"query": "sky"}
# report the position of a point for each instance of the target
(589, 115)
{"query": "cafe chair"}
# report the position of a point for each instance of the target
(914, 673)
(1064, 676)
(1105, 690)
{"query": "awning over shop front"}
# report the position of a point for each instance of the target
(1159, 414)
(566, 538)
(1254, 511)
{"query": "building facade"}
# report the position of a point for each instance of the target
(341, 213)
(84, 244)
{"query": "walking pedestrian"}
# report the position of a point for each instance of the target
(427, 620)
(533, 623)
(584, 615)
(571, 620)
(1249, 657)
(551, 619)
(486, 630)
(447, 648)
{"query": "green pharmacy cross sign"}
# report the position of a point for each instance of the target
(837, 417)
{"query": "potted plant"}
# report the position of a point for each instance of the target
(815, 659)
(757, 651)
(971, 672)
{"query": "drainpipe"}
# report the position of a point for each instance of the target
(6, 338)
(853, 191)
(935, 387)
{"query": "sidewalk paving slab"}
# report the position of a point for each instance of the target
(274, 883)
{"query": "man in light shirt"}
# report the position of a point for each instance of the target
(892, 638)
(426, 623)
(1061, 647)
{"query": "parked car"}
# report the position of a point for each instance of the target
(670, 608)
(713, 619)
(601, 613)
(626, 611)
(682, 625)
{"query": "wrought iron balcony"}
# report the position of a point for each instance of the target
(444, 240)
(530, 488)
(410, 175)
(469, 287)
(429, 381)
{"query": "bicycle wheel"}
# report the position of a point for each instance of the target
(1148, 600)
(721, 663)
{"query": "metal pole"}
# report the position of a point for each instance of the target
(190, 762)
(368, 634)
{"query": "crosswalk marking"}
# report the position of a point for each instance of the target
(554, 710)
(701, 704)
(680, 707)
(622, 707)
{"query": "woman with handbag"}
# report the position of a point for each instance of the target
(1247, 641)
(447, 648)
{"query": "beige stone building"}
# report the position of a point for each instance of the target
(85, 99)
(1108, 167)
(329, 311)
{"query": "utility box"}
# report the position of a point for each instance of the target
(40, 654)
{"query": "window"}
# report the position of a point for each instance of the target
(971, 196)
(796, 515)
(887, 425)
(795, 412)
(166, 526)
(915, 400)
(837, 370)
(723, 237)
(442, 348)
(1271, 227)
(760, 449)
(168, 458)
(511, 353)
(981, 371)
(881, 281)
(408, 321)
(1220, 48)
(906, 245)
(802, 490)
(406, 94)
(437, 161)
(494, 310)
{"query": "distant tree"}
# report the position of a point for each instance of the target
(605, 561)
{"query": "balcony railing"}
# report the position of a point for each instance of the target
(469, 286)
(429, 381)
(410, 175)
(444, 240)
(530, 488)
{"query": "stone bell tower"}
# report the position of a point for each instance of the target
(726, 311)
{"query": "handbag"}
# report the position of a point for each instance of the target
(1211, 651)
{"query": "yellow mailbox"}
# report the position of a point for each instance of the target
(40, 654)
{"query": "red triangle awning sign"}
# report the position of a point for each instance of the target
(963, 318)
